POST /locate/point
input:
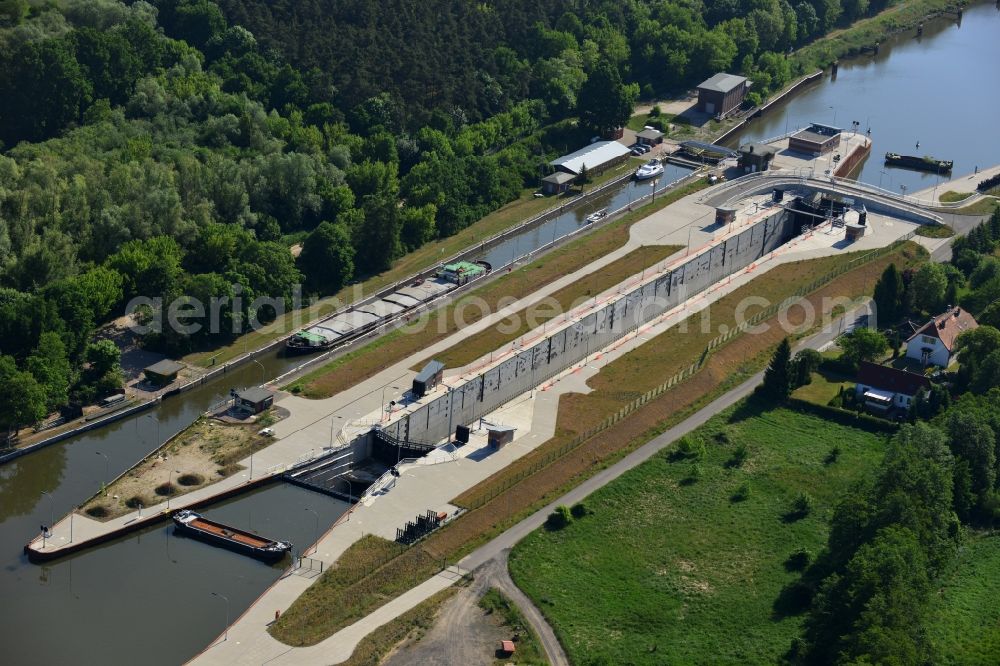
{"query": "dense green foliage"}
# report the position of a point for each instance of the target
(167, 149)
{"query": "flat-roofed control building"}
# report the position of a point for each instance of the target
(815, 140)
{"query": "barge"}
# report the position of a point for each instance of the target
(919, 163)
(361, 320)
(195, 525)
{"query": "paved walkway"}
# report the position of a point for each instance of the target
(965, 183)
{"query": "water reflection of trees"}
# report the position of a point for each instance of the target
(23, 480)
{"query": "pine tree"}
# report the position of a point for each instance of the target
(888, 295)
(777, 380)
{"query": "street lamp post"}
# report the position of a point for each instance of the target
(332, 422)
(382, 402)
(262, 370)
(107, 470)
(226, 599)
(316, 537)
(170, 488)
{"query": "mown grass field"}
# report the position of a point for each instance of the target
(412, 339)
(570, 296)
(670, 571)
(964, 624)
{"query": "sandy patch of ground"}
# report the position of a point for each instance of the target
(205, 452)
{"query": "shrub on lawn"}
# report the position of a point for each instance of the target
(832, 456)
(742, 493)
(740, 455)
(559, 518)
(579, 510)
(798, 560)
(801, 507)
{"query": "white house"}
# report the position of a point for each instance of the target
(934, 342)
(883, 388)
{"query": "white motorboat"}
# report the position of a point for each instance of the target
(597, 216)
(650, 169)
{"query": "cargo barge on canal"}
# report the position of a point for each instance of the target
(919, 163)
(195, 525)
(359, 321)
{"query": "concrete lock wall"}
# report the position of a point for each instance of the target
(530, 367)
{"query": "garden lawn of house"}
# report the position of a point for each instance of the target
(823, 388)
(964, 623)
(670, 570)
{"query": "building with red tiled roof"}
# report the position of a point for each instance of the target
(883, 388)
(934, 342)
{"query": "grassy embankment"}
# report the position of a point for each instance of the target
(964, 622)
(414, 338)
(529, 648)
(430, 254)
(984, 206)
(562, 301)
(935, 231)
(527, 484)
(862, 35)
(368, 574)
(702, 570)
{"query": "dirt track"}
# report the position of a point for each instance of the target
(464, 634)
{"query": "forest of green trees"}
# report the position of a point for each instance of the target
(177, 148)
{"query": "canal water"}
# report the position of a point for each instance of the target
(147, 598)
(941, 90)
(572, 220)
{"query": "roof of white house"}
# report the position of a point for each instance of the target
(947, 327)
(722, 82)
(594, 156)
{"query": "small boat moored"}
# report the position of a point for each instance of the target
(195, 525)
(650, 169)
(597, 216)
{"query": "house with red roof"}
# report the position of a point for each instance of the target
(882, 388)
(934, 342)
